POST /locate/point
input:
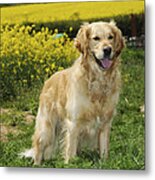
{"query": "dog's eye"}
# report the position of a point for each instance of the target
(110, 37)
(96, 38)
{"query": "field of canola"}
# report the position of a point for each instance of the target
(68, 11)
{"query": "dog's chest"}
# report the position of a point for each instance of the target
(102, 90)
(89, 103)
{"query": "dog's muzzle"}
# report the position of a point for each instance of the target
(106, 62)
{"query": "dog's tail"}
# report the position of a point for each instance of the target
(29, 153)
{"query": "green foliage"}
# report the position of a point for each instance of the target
(122, 21)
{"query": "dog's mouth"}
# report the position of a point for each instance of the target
(104, 63)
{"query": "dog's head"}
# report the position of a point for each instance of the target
(101, 40)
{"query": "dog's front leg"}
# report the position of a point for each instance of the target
(104, 133)
(104, 136)
(71, 140)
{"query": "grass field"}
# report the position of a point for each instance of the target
(127, 136)
(68, 11)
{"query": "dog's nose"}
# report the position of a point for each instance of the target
(107, 51)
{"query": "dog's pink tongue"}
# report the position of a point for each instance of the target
(106, 63)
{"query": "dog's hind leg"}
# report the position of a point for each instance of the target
(44, 136)
(49, 149)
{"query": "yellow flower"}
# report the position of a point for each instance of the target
(53, 65)
(47, 70)
(55, 31)
(60, 68)
(17, 52)
(70, 29)
(19, 63)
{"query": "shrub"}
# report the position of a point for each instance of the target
(27, 58)
(122, 21)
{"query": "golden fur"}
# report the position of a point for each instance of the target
(80, 102)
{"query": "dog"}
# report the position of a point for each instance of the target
(78, 104)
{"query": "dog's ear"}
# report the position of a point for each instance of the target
(119, 39)
(82, 39)
(112, 22)
(120, 42)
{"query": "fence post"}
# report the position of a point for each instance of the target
(133, 25)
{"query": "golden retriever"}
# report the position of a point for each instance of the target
(78, 104)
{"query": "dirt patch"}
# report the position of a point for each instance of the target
(5, 130)
(28, 117)
(4, 111)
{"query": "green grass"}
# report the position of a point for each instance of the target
(127, 135)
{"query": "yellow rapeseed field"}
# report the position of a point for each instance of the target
(66, 11)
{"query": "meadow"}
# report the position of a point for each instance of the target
(30, 56)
